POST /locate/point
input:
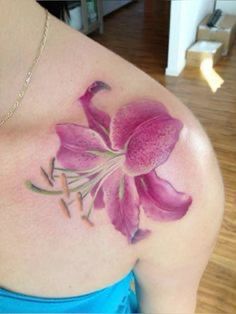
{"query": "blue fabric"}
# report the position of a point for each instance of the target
(117, 298)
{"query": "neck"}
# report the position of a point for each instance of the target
(20, 22)
(21, 28)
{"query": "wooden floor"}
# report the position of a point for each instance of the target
(140, 35)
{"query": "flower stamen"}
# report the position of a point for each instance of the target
(87, 221)
(64, 208)
(45, 176)
(79, 201)
(64, 185)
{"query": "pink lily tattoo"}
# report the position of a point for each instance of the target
(114, 159)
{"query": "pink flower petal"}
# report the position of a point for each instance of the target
(130, 116)
(151, 144)
(98, 120)
(122, 203)
(159, 199)
(79, 146)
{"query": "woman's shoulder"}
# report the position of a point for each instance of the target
(162, 143)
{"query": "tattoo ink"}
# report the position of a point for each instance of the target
(113, 159)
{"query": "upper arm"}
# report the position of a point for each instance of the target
(172, 260)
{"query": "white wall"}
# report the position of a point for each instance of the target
(228, 7)
(184, 18)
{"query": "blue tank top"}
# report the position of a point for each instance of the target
(119, 297)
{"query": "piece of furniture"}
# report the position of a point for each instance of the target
(82, 10)
(90, 26)
(201, 51)
(86, 15)
(224, 31)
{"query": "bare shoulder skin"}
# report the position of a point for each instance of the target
(103, 168)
